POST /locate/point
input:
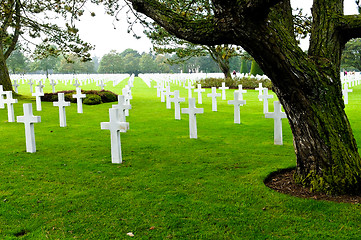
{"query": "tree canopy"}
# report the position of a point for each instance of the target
(36, 21)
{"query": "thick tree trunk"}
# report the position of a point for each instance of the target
(4, 73)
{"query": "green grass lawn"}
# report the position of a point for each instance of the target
(169, 186)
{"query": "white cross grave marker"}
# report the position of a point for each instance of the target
(53, 83)
(199, 90)
(177, 100)
(158, 89)
(240, 91)
(214, 96)
(41, 86)
(31, 85)
(260, 90)
(2, 94)
(192, 111)
(189, 87)
(77, 84)
(29, 119)
(116, 127)
(345, 92)
(168, 93)
(61, 103)
(38, 94)
(122, 106)
(15, 85)
(127, 97)
(102, 85)
(277, 115)
(223, 88)
(9, 101)
(265, 98)
(79, 102)
(237, 103)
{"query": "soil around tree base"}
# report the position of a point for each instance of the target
(282, 181)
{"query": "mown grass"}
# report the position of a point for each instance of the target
(169, 186)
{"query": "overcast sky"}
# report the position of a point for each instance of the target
(100, 30)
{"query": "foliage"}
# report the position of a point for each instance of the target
(92, 96)
(92, 99)
(255, 69)
(244, 68)
(166, 43)
(351, 56)
(246, 82)
(17, 61)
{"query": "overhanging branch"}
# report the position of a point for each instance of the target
(200, 30)
(350, 27)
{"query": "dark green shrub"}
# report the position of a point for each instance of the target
(92, 99)
(247, 82)
(103, 96)
(255, 69)
(108, 96)
(69, 97)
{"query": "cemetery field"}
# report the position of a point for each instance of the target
(169, 186)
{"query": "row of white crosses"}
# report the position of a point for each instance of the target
(117, 122)
(277, 115)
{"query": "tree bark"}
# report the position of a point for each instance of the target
(4, 72)
(307, 85)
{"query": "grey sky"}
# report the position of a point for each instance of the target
(100, 31)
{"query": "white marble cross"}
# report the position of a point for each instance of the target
(15, 85)
(240, 91)
(158, 89)
(77, 84)
(53, 83)
(223, 88)
(122, 106)
(102, 85)
(237, 103)
(127, 97)
(199, 90)
(61, 103)
(260, 90)
(189, 87)
(79, 96)
(177, 100)
(31, 85)
(29, 119)
(2, 94)
(41, 86)
(168, 93)
(345, 92)
(38, 94)
(192, 111)
(214, 96)
(265, 98)
(9, 101)
(116, 127)
(277, 115)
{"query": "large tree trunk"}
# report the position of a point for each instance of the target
(308, 85)
(4, 72)
(309, 88)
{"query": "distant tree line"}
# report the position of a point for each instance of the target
(128, 61)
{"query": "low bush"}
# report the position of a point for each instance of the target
(92, 97)
(248, 82)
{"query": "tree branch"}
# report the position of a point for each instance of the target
(350, 27)
(202, 30)
(16, 32)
